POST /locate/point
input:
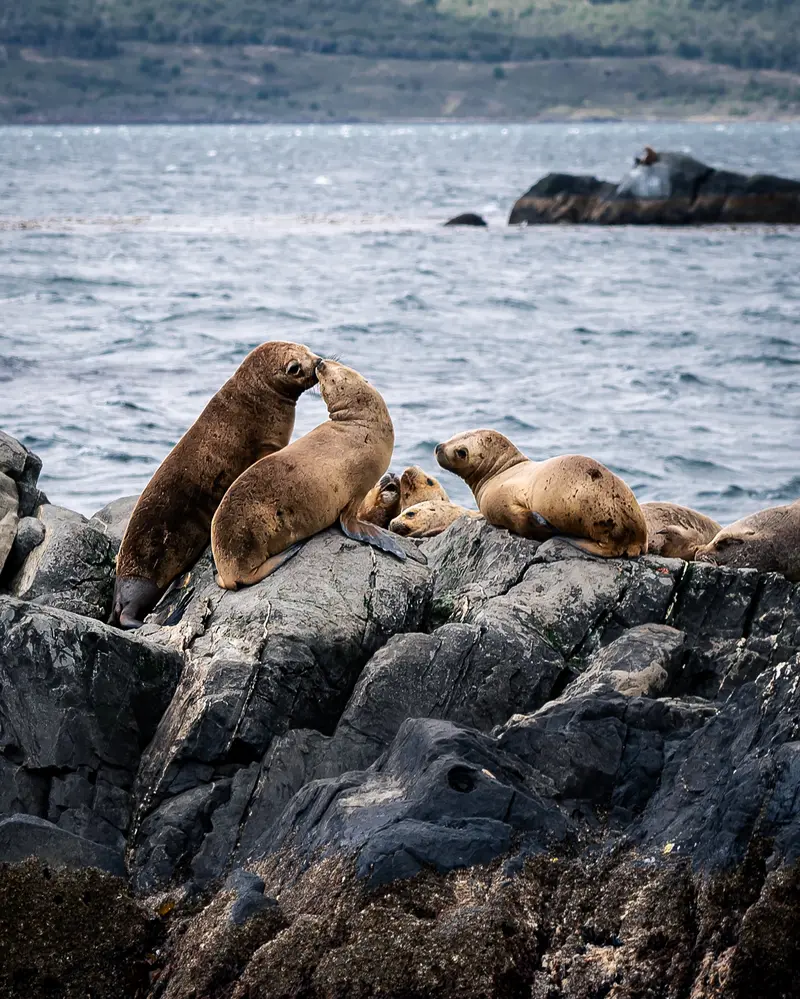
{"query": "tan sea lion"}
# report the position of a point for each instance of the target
(416, 486)
(768, 541)
(321, 478)
(429, 518)
(382, 502)
(251, 416)
(569, 495)
(676, 531)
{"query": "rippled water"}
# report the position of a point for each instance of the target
(139, 265)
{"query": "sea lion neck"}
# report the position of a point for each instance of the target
(491, 466)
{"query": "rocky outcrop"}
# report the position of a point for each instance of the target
(582, 773)
(674, 190)
(19, 497)
(468, 218)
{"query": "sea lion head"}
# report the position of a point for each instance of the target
(348, 395)
(426, 519)
(738, 546)
(290, 368)
(477, 455)
(416, 486)
(382, 502)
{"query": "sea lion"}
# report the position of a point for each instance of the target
(650, 157)
(382, 502)
(429, 518)
(569, 495)
(251, 416)
(416, 486)
(321, 478)
(768, 541)
(676, 531)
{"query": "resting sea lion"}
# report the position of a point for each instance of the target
(429, 518)
(252, 415)
(382, 502)
(676, 531)
(569, 495)
(768, 541)
(416, 486)
(321, 478)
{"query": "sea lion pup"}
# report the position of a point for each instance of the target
(429, 518)
(251, 416)
(321, 478)
(768, 541)
(416, 486)
(677, 531)
(569, 495)
(382, 502)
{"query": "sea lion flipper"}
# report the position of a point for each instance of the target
(371, 534)
(585, 545)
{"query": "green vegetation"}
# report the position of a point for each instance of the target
(747, 34)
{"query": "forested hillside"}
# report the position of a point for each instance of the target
(741, 33)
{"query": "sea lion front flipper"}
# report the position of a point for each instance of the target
(274, 562)
(585, 545)
(370, 534)
(542, 529)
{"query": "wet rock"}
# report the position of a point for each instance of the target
(674, 190)
(643, 662)
(282, 654)
(23, 466)
(442, 796)
(468, 218)
(72, 569)
(78, 704)
(23, 836)
(12, 455)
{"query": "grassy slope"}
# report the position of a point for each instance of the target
(115, 60)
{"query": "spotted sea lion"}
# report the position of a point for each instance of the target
(416, 486)
(768, 541)
(382, 502)
(251, 416)
(676, 531)
(321, 478)
(569, 495)
(429, 518)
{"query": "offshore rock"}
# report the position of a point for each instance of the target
(675, 189)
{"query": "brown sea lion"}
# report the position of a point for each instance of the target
(251, 416)
(569, 495)
(676, 531)
(768, 541)
(429, 518)
(416, 486)
(321, 478)
(382, 502)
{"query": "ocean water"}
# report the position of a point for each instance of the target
(140, 264)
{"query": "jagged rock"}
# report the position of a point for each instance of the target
(113, 518)
(23, 836)
(78, 703)
(282, 654)
(72, 569)
(674, 190)
(442, 796)
(9, 516)
(12, 455)
(23, 466)
(643, 662)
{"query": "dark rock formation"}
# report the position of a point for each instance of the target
(516, 770)
(468, 218)
(674, 190)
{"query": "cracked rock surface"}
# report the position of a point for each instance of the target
(581, 775)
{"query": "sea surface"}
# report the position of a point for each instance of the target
(138, 266)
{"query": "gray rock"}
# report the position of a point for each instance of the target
(113, 518)
(72, 569)
(9, 516)
(282, 654)
(23, 836)
(30, 534)
(78, 703)
(643, 662)
(12, 455)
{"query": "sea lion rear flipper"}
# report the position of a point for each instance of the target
(370, 534)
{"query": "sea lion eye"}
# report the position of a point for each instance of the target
(461, 452)
(294, 368)
(411, 513)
